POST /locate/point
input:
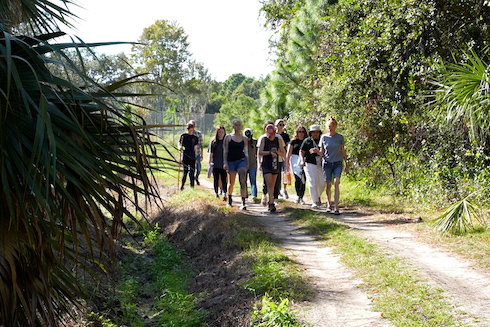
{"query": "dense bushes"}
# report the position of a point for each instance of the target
(373, 67)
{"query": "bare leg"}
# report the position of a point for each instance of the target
(329, 194)
(337, 192)
(242, 178)
(232, 178)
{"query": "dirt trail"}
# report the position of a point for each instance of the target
(467, 287)
(339, 301)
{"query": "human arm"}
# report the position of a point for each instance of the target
(322, 150)
(211, 152)
(181, 142)
(281, 151)
(344, 155)
(201, 145)
(289, 153)
(226, 141)
(302, 157)
(259, 157)
(302, 153)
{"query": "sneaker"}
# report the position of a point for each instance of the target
(329, 209)
(298, 200)
(337, 212)
(225, 198)
(314, 205)
(254, 199)
(285, 194)
(197, 182)
(301, 201)
(217, 196)
(280, 196)
(264, 200)
(182, 187)
(272, 207)
(243, 207)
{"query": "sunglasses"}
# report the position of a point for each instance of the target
(281, 124)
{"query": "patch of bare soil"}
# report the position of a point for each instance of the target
(206, 237)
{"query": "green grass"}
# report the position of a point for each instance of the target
(165, 283)
(273, 313)
(392, 284)
(274, 273)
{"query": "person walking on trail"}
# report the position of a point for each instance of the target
(259, 164)
(188, 144)
(252, 162)
(236, 161)
(199, 151)
(333, 152)
(280, 187)
(293, 163)
(216, 160)
(271, 147)
(311, 160)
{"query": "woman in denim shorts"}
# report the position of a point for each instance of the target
(236, 161)
(333, 152)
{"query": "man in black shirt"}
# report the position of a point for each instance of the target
(188, 143)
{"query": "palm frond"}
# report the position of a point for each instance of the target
(459, 218)
(71, 162)
(464, 94)
(39, 15)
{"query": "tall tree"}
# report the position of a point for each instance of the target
(292, 84)
(163, 51)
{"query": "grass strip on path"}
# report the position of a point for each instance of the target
(392, 284)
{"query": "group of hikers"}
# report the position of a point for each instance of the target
(313, 158)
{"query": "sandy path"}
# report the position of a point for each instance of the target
(339, 301)
(465, 286)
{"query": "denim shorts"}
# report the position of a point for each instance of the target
(234, 166)
(332, 170)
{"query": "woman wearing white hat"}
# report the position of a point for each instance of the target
(311, 160)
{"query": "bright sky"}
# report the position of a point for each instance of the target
(225, 35)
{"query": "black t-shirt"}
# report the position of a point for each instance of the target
(308, 144)
(296, 144)
(217, 151)
(285, 137)
(188, 143)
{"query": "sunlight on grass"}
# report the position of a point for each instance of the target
(274, 273)
(392, 284)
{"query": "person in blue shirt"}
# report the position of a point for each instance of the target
(333, 152)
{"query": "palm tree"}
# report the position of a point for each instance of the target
(70, 162)
(463, 92)
(463, 95)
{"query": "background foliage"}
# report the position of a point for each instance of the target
(373, 65)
